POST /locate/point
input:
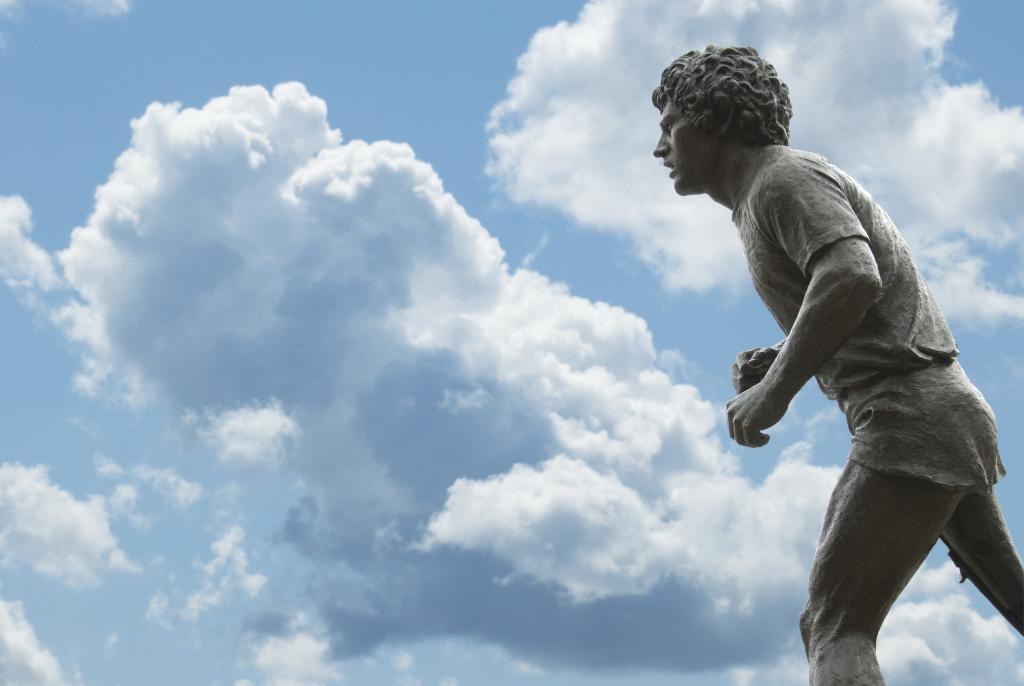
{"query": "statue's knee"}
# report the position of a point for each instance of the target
(818, 627)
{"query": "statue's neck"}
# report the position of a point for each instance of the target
(738, 165)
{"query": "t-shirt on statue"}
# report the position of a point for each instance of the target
(911, 409)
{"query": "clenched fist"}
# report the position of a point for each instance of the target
(751, 366)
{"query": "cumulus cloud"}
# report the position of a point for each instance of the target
(124, 498)
(934, 636)
(107, 467)
(242, 251)
(568, 523)
(22, 262)
(23, 659)
(224, 574)
(168, 484)
(179, 492)
(297, 656)
(959, 281)
(253, 435)
(221, 578)
(560, 522)
(123, 503)
(157, 609)
(789, 670)
(44, 527)
(462, 421)
(576, 129)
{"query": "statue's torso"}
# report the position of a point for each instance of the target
(797, 204)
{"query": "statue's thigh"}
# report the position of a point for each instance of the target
(878, 529)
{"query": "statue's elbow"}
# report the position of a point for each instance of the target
(865, 287)
(855, 288)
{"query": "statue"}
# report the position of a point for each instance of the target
(839, 279)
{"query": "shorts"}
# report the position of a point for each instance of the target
(930, 424)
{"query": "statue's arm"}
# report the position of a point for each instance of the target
(844, 284)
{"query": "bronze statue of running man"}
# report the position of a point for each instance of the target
(839, 279)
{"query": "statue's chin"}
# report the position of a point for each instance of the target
(682, 188)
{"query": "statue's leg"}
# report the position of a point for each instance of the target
(878, 530)
(977, 533)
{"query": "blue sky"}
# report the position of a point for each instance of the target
(366, 343)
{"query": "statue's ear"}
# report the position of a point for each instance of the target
(722, 107)
(749, 126)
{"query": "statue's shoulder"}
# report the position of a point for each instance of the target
(790, 172)
(786, 163)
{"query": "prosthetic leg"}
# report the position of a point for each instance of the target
(980, 546)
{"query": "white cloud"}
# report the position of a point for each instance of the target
(590, 366)
(562, 522)
(460, 401)
(963, 162)
(241, 250)
(958, 281)
(942, 640)
(106, 467)
(46, 528)
(226, 573)
(110, 645)
(23, 659)
(933, 581)
(99, 7)
(354, 257)
(157, 609)
(104, 6)
(123, 503)
(788, 670)
(123, 499)
(249, 436)
(524, 667)
(22, 262)
(284, 218)
(221, 579)
(931, 637)
(566, 523)
(576, 129)
(299, 657)
(179, 492)
(402, 661)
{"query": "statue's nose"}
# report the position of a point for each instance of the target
(661, 149)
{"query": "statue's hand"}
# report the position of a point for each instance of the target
(753, 410)
(751, 366)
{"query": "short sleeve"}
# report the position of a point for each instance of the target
(804, 207)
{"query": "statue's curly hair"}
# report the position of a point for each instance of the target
(730, 92)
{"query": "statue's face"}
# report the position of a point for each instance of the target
(689, 153)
